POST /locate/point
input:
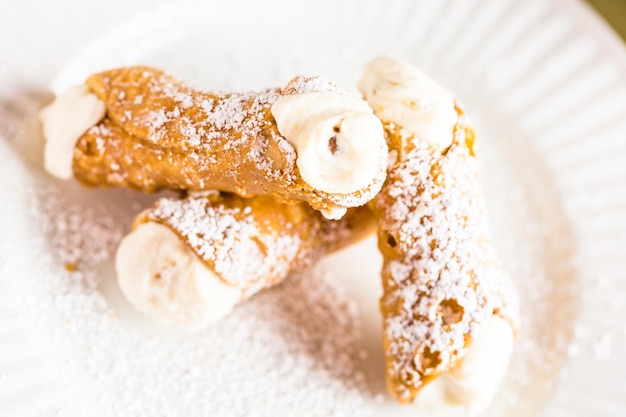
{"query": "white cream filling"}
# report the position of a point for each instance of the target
(469, 388)
(64, 121)
(164, 279)
(334, 213)
(400, 93)
(338, 139)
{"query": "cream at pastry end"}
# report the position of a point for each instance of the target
(468, 389)
(339, 142)
(162, 278)
(64, 121)
(334, 213)
(401, 94)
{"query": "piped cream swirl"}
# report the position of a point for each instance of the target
(338, 139)
(402, 94)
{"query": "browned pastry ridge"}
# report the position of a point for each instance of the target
(254, 243)
(160, 133)
(441, 277)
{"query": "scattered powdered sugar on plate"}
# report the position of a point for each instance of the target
(289, 351)
(535, 241)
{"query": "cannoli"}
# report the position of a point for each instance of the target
(449, 311)
(191, 260)
(141, 128)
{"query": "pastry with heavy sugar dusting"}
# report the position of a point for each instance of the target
(191, 260)
(449, 312)
(138, 127)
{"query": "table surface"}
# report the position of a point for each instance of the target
(614, 11)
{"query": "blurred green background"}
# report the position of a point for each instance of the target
(614, 11)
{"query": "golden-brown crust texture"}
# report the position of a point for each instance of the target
(257, 242)
(441, 277)
(160, 133)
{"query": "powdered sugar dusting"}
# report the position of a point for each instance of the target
(230, 240)
(441, 276)
(289, 351)
(254, 250)
(221, 114)
(301, 85)
(230, 139)
(155, 120)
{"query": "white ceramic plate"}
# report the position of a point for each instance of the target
(545, 82)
